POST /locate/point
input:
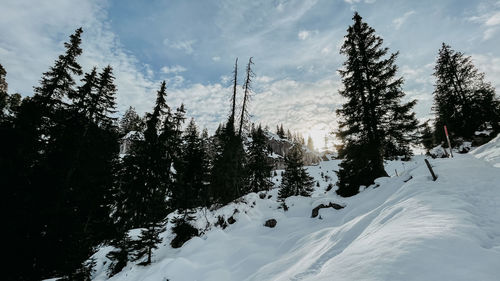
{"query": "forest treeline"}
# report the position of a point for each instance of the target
(69, 191)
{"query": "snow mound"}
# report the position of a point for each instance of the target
(489, 152)
(407, 228)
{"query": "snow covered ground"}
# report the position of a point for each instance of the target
(407, 228)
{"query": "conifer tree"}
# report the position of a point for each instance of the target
(190, 171)
(427, 136)
(296, 181)
(259, 168)
(373, 105)
(131, 121)
(121, 254)
(58, 82)
(463, 101)
(62, 174)
(144, 182)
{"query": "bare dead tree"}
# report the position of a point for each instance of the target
(233, 99)
(247, 88)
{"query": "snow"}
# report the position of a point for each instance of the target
(489, 152)
(406, 227)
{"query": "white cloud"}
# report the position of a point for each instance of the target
(186, 45)
(358, 1)
(493, 19)
(489, 18)
(304, 34)
(216, 58)
(398, 22)
(490, 65)
(32, 36)
(172, 69)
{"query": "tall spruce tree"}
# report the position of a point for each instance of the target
(296, 181)
(58, 82)
(463, 101)
(373, 118)
(259, 168)
(144, 181)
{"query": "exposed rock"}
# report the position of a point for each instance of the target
(279, 148)
(231, 220)
(315, 211)
(270, 223)
(262, 195)
(221, 222)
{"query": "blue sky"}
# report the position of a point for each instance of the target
(193, 45)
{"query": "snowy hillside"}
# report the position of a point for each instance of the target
(407, 228)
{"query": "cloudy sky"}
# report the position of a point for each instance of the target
(193, 44)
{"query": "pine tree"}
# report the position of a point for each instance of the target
(427, 136)
(259, 168)
(373, 105)
(131, 121)
(58, 82)
(120, 255)
(463, 101)
(281, 132)
(144, 181)
(148, 241)
(296, 181)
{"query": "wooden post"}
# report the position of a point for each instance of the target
(434, 178)
(448, 139)
(395, 170)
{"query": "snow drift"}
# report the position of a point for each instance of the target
(405, 227)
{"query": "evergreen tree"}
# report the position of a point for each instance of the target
(373, 105)
(144, 181)
(190, 171)
(463, 101)
(427, 136)
(280, 132)
(131, 121)
(58, 82)
(259, 168)
(120, 255)
(296, 181)
(227, 175)
(61, 168)
(148, 241)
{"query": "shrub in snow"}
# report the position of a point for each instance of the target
(184, 231)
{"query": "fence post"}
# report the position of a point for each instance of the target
(434, 178)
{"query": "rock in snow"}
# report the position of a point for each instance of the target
(448, 229)
(270, 223)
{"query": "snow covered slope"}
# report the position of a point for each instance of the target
(407, 228)
(489, 152)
